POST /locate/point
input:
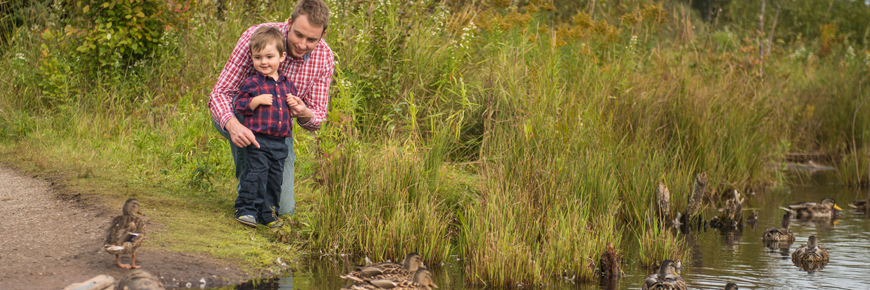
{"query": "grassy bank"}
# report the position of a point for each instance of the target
(522, 140)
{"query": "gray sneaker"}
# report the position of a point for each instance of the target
(247, 220)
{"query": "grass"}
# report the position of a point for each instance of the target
(521, 143)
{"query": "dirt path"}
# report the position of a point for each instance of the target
(49, 240)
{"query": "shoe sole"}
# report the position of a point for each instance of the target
(253, 225)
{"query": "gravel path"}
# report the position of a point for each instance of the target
(49, 240)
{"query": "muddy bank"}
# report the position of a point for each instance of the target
(50, 238)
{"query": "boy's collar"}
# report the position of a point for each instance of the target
(281, 76)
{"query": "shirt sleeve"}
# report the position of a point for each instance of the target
(227, 86)
(243, 102)
(318, 100)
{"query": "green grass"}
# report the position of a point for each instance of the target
(523, 156)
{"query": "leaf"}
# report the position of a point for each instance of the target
(140, 14)
(87, 7)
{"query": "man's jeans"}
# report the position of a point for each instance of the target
(286, 204)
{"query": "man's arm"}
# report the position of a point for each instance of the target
(317, 101)
(220, 100)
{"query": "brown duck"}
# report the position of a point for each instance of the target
(811, 253)
(861, 205)
(379, 271)
(827, 208)
(139, 279)
(665, 279)
(126, 233)
(422, 281)
(781, 234)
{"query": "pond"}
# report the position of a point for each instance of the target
(717, 258)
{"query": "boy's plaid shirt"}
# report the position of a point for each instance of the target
(271, 120)
(311, 74)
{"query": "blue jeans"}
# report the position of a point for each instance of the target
(286, 204)
(260, 185)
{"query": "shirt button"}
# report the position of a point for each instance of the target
(279, 123)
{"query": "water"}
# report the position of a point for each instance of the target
(717, 258)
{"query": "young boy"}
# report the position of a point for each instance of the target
(262, 100)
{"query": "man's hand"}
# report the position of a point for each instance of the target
(261, 100)
(240, 135)
(298, 109)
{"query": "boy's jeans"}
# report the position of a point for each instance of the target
(286, 204)
(260, 185)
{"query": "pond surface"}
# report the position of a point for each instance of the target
(716, 257)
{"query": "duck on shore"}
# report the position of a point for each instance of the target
(126, 233)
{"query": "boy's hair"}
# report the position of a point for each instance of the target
(266, 35)
(317, 11)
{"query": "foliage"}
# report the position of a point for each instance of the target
(799, 19)
(117, 33)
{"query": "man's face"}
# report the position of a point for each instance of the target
(303, 37)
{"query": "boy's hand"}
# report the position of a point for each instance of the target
(298, 108)
(261, 100)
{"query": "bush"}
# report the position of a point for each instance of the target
(117, 33)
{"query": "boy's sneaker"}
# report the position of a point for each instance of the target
(247, 220)
(274, 225)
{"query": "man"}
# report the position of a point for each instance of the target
(309, 66)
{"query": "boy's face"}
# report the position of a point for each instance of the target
(303, 37)
(267, 59)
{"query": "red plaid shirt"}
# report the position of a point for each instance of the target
(271, 120)
(312, 75)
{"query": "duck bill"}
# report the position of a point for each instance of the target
(837, 207)
(433, 285)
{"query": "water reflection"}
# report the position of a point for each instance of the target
(717, 257)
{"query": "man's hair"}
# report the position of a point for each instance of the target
(317, 11)
(266, 35)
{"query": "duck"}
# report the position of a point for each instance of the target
(811, 253)
(861, 205)
(126, 233)
(139, 279)
(753, 218)
(781, 234)
(422, 280)
(827, 208)
(731, 286)
(380, 271)
(665, 278)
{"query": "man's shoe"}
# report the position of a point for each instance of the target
(247, 220)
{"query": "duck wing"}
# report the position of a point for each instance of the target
(124, 230)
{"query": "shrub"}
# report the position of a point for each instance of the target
(116, 33)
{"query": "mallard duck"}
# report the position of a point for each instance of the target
(811, 253)
(731, 286)
(665, 279)
(861, 205)
(139, 279)
(827, 208)
(422, 281)
(377, 271)
(781, 234)
(126, 233)
(753, 218)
